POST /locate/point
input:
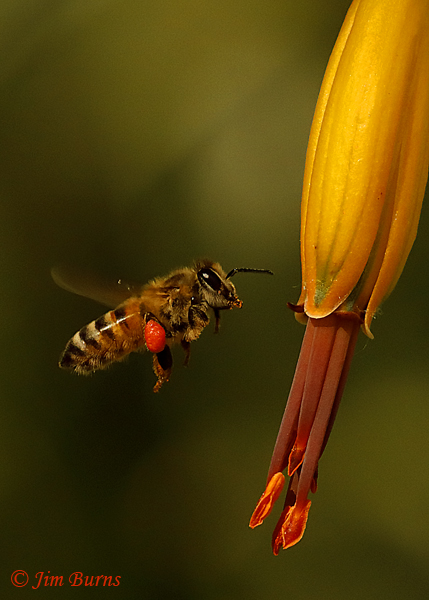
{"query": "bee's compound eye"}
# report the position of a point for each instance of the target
(210, 278)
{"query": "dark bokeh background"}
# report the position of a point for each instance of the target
(136, 136)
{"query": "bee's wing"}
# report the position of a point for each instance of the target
(90, 286)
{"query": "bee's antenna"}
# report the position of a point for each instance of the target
(247, 270)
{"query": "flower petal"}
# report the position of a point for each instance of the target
(355, 145)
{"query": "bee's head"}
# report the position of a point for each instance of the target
(217, 289)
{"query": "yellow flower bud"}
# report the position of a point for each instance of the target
(367, 159)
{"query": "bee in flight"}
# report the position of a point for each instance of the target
(166, 311)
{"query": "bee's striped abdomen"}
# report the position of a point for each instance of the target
(105, 340)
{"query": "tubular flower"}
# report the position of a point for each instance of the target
(365, 176)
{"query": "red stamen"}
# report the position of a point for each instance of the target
(343, 330)
(267, 500)
(290, 528)
(316, 391)
(323, 341)
(286, 435)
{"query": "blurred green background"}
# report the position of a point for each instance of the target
(136, 136)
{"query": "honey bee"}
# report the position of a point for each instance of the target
(166, 311)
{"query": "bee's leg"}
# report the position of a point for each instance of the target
(217, 317)
(187, 348)
(162, 365)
